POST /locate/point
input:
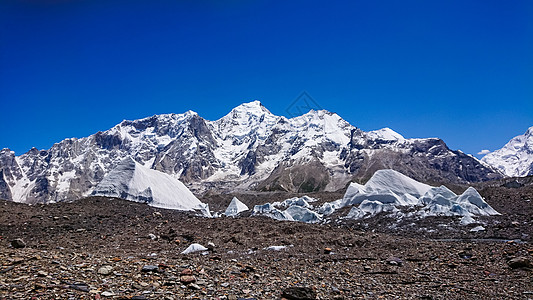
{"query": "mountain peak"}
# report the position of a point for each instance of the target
(515, 159)
(385, 134)
(255, 107)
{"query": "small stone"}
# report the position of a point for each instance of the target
(152, 236)
(150, 268)
(186, 279)
(520, 262)
(186, 272)
(299, 293)
(394, 261)
(80, 287)
(18, 243)
(105, 270)
(366, 268)
(108, 294)
(327, 250)
(193, 286)
(42, 274)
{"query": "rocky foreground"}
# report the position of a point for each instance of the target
(100, 248)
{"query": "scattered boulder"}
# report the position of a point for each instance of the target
(18, 243)
(520, 262)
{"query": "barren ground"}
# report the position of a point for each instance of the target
(67, 245)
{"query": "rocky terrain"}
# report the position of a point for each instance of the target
(103, 248)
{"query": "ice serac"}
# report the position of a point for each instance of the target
(388, 191)
(386, 186)
(515, 159)
(235, 207)
(295, 209)
(132, 181)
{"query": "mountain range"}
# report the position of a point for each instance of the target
(249, 149)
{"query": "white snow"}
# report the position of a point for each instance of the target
(235, 207)
(194, 248)
(515, 159)
(477, 228)
(385, 134)
(132, 181)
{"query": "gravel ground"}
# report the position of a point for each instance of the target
(100, 248)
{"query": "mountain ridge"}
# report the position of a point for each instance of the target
(247, 149)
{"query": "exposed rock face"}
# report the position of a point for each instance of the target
(250, 148)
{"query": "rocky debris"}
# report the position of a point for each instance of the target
(520, 262)
(18, 243)
(61, 262)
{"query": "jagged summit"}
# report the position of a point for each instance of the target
(248, 149)
(515, 159)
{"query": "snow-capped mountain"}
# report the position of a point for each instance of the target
(248, 149)
(515, 159)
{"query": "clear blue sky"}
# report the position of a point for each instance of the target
(458, 70)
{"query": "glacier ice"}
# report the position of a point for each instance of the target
(388, 190)
(135, 182)
(297, 209)
(235, 207)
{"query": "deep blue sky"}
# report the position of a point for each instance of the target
(458, 70)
